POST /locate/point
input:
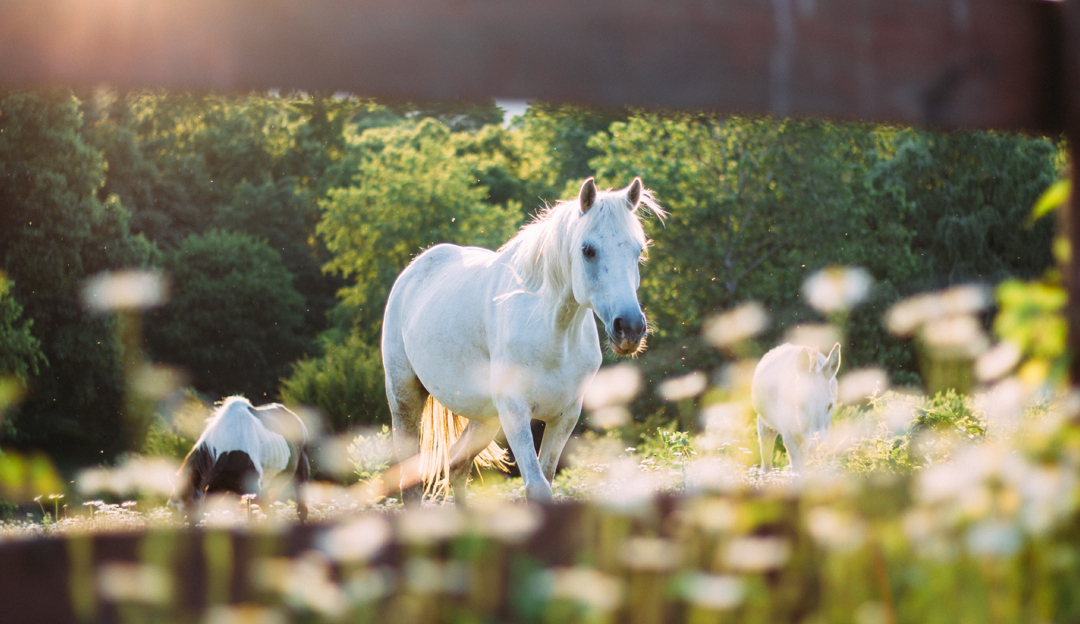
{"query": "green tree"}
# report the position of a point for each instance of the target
(757, 205)
(557, 149)
(54, 232)
(409, 192)
(233, 318)
(966, 196)
(20, 351)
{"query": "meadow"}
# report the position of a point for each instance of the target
(915, 508)
(945, 491)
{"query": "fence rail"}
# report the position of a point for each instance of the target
(971, 63)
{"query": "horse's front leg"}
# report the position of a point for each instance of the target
(515, 416)
(556, 433)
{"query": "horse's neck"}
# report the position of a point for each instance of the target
(569, 314)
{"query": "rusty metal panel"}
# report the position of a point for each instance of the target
(983, 63)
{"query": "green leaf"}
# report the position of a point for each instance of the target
(1056, 195)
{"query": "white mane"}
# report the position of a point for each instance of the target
(541, 252)
(235, 427)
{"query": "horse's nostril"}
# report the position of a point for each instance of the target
(618, 326)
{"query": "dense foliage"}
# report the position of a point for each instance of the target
(283, 218)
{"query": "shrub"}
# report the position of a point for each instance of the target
(346, 384)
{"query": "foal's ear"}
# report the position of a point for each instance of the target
(832, 363)
(805, 360)
(587, 196)
(633, 193)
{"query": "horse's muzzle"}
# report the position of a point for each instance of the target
(627, 334)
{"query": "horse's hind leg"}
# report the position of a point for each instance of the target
(407, 397)
(473, 440)
(766, 442)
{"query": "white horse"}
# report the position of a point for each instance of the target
(502, 337)
(794, 394)
(245, 450)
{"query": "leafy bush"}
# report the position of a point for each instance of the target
(346, 384)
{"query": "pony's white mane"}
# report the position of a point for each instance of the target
(540, 254)
(234, 426)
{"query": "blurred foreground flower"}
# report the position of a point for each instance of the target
(734, 326)
(837, 288)
(818, 336)
(592, 589)
(137, 475)
(608, 394)
(125, 290)
(133, 582)
(907, 316)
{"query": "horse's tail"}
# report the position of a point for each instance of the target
(439, 429)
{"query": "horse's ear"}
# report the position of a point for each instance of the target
(805, 360)
(587, 196)
(832, 363)
(633, 193)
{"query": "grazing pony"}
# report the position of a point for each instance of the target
(245, 450)
(503, 337)
(794, 395)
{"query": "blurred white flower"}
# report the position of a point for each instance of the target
(862, 383)
(134, 582)
(955, 336)
(837, 288)
(684, 387)
(756, 554)
(713, 515)
(504, 521)
(608, 417)
(430, 524)
(626, 488)
(898, 412)
(1003, 406)
(650, 553)
(590, 588)
(818, 336)
(614, 385)
(997, 362)
(736, 325)
(835, 529)
(137, 475)
(716, 592)
(908, 315)
(993, 537)
(358, 539)
(125, 290)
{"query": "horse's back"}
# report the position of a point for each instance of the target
(442, 271)
(773, 380)
(441, 293)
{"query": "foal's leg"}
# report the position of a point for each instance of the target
(474, 439)
(407, 397)
(766, 442)
(515, 416)
(556, 433)
(796, 446)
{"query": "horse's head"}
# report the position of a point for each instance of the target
(605, 255)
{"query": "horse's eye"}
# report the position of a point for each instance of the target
(829, 409)
(588, 251)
